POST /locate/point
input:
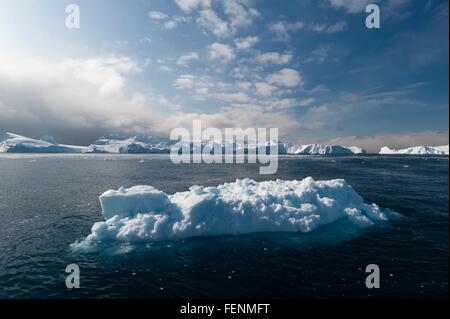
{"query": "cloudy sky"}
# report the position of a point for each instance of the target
(309, 67)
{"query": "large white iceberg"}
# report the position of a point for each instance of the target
(320, 149)
(139, 144)
(13, 143)
(144, 213)
(417, 150)
(283, 148)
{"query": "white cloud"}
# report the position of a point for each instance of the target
(169, 25)
(185, 81)
(328, 28)
(351, 6)
(175, 21)
(392, 97)
(319, 55)
(131, 112)
(165, 68)
(274, 57)
(169, 22)
(74, 93)
(186, 58)
(160, 64)
(201, 84)
(238, 97)
(287, 103)
(246, 43)
(337, 27)
(244, 116)
(264, 89)
(325, 108)
(105, 72)
(238, 14)
(157, 15)
(190, 5)
(11, 113)
(282, 29)
(321, 88)
(209, 21)
(306, 102)
(289, 78)
(238, 73)
(218, 51)
(244, 85)
(202, 91)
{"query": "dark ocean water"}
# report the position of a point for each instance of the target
(49, 202)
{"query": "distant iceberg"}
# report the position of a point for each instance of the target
(144, 213)
(140, 144)
(150, 144)
(417, 150)
(143, 144)
(13, 143)
(320, 149)
(283, 148)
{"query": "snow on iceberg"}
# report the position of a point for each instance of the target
(139, 144)
(144, 213)
(319, 149)
(417, 150)
(13, 143)
(143, 144)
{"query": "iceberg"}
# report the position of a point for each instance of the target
(139, 144)
(320, 149)
(13, 143)
(357, 150)
(283, 148)
(417, 150)
(145, 214)
(143, 144)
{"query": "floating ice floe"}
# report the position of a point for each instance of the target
(144, 213)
